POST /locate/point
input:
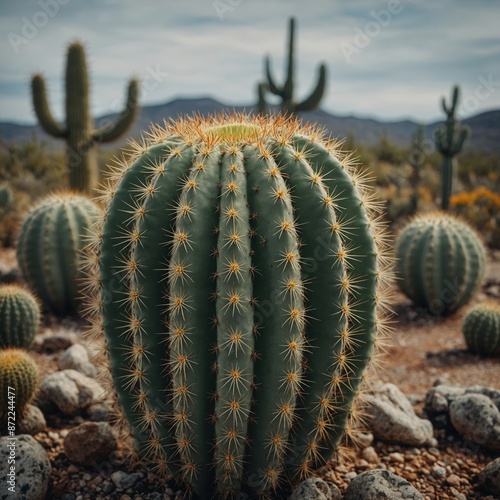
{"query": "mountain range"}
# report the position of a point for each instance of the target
(485, 126)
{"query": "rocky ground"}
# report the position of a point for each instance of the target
(420, 443)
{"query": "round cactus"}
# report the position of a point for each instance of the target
(440, 262)
(49, 248)
(19, 317)
(240, 269)
(481, 329)
(18, 379)
(5, 197)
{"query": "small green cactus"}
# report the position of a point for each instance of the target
(19, 378)
(49, 248)
(5, 197)
(288, 104)
(440, 262)
(239, 284)
(449, 140)
(481, 329)
(78, 132)
(416, 160)
(19, 317)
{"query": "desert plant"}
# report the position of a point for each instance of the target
(19, 317)
(78, 132)
(18, 371)
(5, 197)
(288, 104)
(49, 248)
(243, 265)
(416, 159)
(481, 329)
(441, 261)
(449, 140)
(481, 208)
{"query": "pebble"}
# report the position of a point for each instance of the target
(453, 480)
(396, 457)
(124, 480)
(90, 442)
(370, 455)
(71, 391)
(439, 472)
(100, 412)
(76, 358)
(32, 422)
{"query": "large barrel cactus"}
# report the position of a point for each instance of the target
(240, 268)
(440, 262)
(19, 317)
(49, 249)
(481, 329)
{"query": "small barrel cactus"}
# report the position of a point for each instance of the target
(49, 248)
(5, 197)
(481, 329)
(19, 378)
(19, 317)
(240, 269)
(440, 262)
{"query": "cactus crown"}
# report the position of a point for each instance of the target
(238, 277)
(19, 316)
(19, 371)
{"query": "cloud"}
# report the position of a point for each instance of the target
(185, 48)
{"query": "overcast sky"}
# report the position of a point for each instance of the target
(387, 59)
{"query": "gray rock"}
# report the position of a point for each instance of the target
(391, 418)
(76, 358)
(489, 478)
(32, 469)
(53, 342)
(123, 480)
(381, 484)
(315, 488)
(476, 418)
(438, 399)
(71, 391)
(32, 421)
(89, 443)
(100, 412)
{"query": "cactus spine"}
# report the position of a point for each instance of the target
(5, 197)
(238, 283)
(449, 140)
(19, 372)
(79, 134)
(288, 105)
(481, 329)
(49, 248)
(441, 262)
(19, 317)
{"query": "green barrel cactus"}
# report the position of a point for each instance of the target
(19, 317)
(78, 132)
(240, 270)
(18, 371)
(440, 262)
(50, 249)
(5, 197)
(481, 329)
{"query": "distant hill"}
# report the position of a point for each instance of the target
(485, 126)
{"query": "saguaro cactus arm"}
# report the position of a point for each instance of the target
(42, 109)
(314, 99)
(111, 132)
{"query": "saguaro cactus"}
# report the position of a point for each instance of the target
(481, 329)
(19, 317)
(288, 104)
(449, 140)
(18, 371)
(239, 286)
(78, 132)
(416, 160)
(441, 262)
(49, 248)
